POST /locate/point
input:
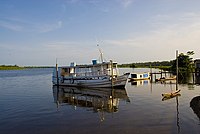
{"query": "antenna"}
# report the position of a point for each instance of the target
(101, 54)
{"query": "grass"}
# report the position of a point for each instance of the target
(10, 67)
(15, 67)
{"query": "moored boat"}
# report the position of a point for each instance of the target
(166, 79)
(172, 94)
(167, 96)
(139, 76)
(103, 74)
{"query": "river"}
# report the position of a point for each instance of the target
(29, 104)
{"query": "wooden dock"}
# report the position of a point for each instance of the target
(160, 74)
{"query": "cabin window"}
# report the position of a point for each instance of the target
(145, 75)
(133, 76)
(114, 65)
(64, 69)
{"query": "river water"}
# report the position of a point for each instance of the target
(29, 104)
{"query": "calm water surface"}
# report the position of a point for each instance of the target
(29, 104)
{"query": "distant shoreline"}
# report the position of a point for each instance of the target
(15, 67)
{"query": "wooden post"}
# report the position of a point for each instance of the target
(57, 73)
(151, 73)
(111, 73)
(193, 77)
(176, 69)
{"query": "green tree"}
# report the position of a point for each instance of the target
(185, 62)
(132, 65)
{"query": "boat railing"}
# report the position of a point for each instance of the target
(89, 73)
(96, 73)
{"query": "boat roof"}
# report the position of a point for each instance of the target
(141, 73)
(89, 65)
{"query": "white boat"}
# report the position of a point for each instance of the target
(103, 74)
(139, 76)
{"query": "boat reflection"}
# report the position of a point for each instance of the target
(140, 82)
(98, 99)
(195, 105)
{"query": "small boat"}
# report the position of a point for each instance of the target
(167, 98)
(103, 74)
(171, 95)
(139, 76)
(166, 79)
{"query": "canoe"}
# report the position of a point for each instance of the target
(172, 94)
(166, 79)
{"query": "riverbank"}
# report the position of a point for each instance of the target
(15, 67)
(10, 67)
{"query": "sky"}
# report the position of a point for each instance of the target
(37, 32)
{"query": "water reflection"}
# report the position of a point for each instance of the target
(189, 78)
(195, 105)
(197, 79)
(140, 82)
(97, 99)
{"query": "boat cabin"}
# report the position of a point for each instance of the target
(139, 76)
(95, 69)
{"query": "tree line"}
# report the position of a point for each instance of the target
(185, 63)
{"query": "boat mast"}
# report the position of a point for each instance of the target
(101, 54)
(176, 69)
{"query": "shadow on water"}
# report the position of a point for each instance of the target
(185, 78)
(197, 79)
(189, 78)
(195, 105)
(98, 100)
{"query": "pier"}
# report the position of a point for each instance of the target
(161, 74)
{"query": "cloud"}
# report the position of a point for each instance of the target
(126, 3)
(161, 42)
(43, 28)
(11, 26)
(70, 50)
(17, 24)
(174, 20)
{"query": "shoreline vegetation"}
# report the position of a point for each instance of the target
(16, 67)
(163, 65)
(185, 64)
(159, 65)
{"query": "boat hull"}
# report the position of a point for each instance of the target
(118, 82)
